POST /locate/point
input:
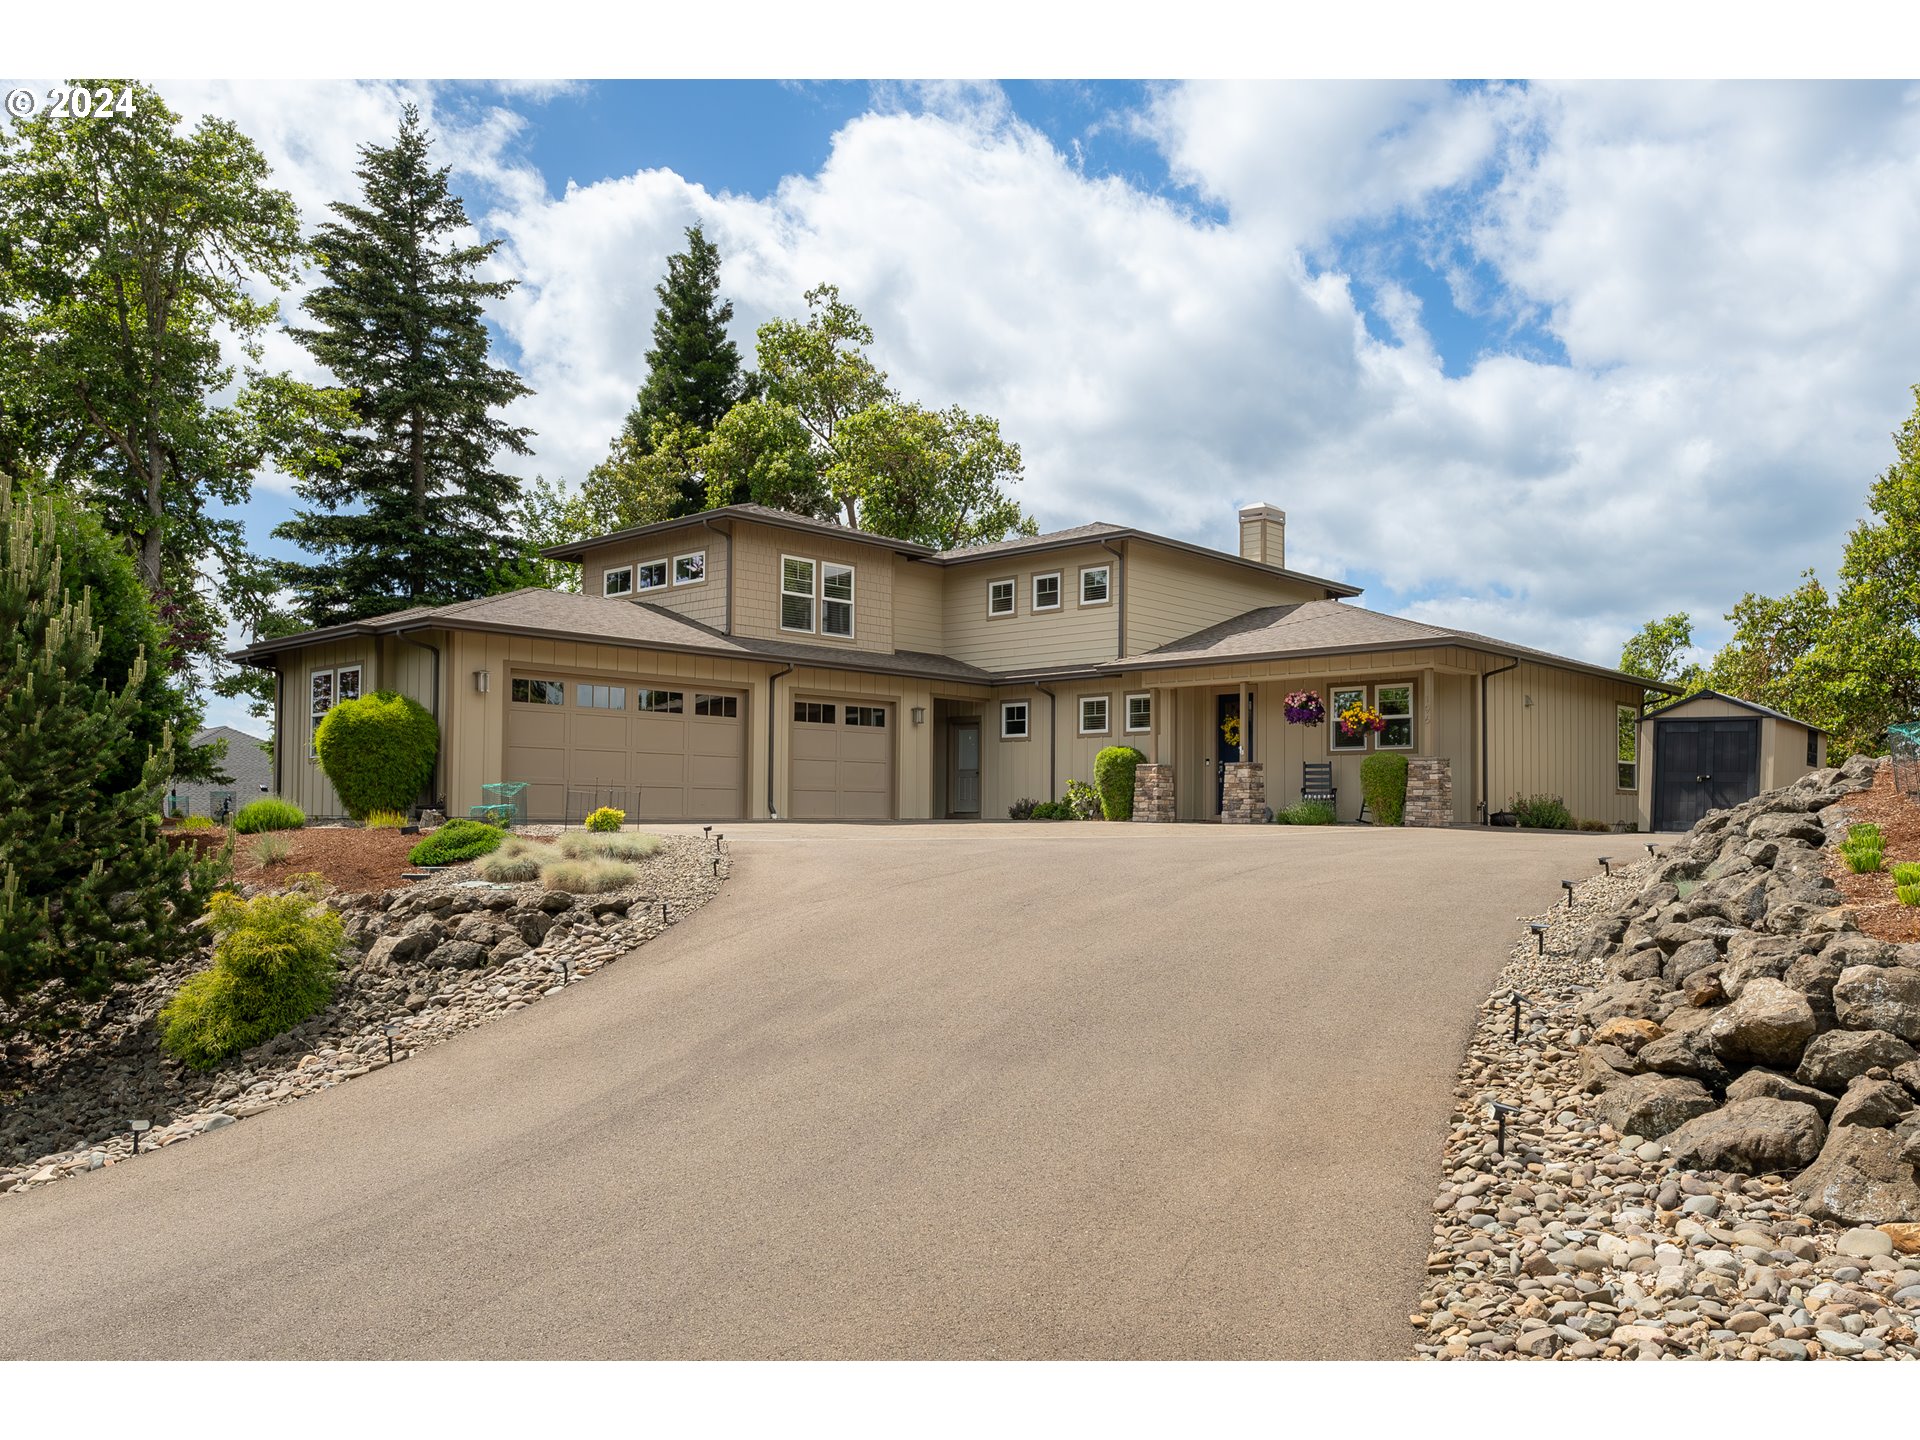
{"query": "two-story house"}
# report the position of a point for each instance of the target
(748, 663)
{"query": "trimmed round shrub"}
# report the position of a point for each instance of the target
(268, 814)
(455, 841)
(273, 966)
(378, 751)
(579, 845)
(593, 876)
(1113, 771)
(606, 818)
(1383, 780)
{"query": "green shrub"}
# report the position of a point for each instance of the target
(514, 863)
(378, 751)
(594, 876)
(271, 850)
(1383, 780)
(1907, 894)
(385, 819)
(273, 966)
(1052, 810)
(1082, 801)
(1541, 812)
(196, 822)
(268, 814)
(1597, 827)
(1906, 874)
(581, 845)
(1864, 859)
(455, 841)
(606, 818)
(1863, 830)
(1307, 812)
(1022, 809)
(1113, 771)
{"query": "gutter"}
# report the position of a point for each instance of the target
(773, 712)
(1053, 742)
(406, 638)
(707, 525)
(1120, 566)
(1486, 799)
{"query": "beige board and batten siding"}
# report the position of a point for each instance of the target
(1028, 640)
(1017, 769)
(704, 601)
(1566, 743)
(757, 552)
(1783, 746)
(1174, 594)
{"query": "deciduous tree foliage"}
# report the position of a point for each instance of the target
(412, 510)
(1654, 654)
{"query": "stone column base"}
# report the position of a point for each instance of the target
(1243, 797)
(1429, 791)
(1153, 793)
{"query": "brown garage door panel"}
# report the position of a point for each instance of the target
(840, 771)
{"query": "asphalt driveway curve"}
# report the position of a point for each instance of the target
(978, 1091)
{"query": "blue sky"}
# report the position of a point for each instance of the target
(1542, 360)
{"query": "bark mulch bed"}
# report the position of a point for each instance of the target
(351, 859)
(1871, 897)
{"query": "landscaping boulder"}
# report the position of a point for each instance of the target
(1859, 1179)
(556, 901)
(511, 947)
(1873, 997)
(1703, 988)
(1739, 898)
(1602, 1067)
(1635, 999)
(1758, 1084)
(477, 929)
(1645, 963)
(1909, 1076)
(1687, 1052)
(1769, 1024)
(1763, 1136)
(401, 949)
(1629, 1034)
(1814, 976)
(1756, 957)
(1788, 826)
(1873, 1102)
(1835, 1058)
(458, 955)
(1651, 1105)
(1689, 960)
(531, 925)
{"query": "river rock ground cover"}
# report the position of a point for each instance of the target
(431, 960)
(1687, 1176)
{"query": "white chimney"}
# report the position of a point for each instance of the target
(1263, 534)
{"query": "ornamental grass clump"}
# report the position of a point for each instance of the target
(1113, 771)
(582, 845)
(196, 822)
(517, 861)
(1383, 780)
(1906, 873)
(385, 819)
(457, 841)
(592, 876)
(269, 813)
(1907, 894)
(271, 850)
(1307, 812)
(606, 819)
(274, 964)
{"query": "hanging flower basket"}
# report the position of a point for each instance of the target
(1304, 707)
(1360, 719)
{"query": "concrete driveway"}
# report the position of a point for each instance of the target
(1072, 1091)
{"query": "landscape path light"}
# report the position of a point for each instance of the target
(1539, 929)
(1606, 864)
(392, 1030)
(1567, 885)
(139, 1128)
(1500, 1110)
(1649, 849)
(566, 975)
(1516, 1017)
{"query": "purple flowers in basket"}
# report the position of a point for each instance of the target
(1304, 707)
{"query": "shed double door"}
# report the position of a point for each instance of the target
(1702, 765)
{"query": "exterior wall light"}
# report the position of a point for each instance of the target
(919, 714)
(482, 681)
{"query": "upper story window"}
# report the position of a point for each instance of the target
(796, 593)
(690, 569)
(836, 600)
(650, 574)
(1094, 584)
(999, 598)
(617, 582)
(1046, 591)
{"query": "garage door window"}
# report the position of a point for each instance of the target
(796, 594)
(874, 717)
(669, 702)
(811, 712)
(723, 707)
(602, 697)
(539, 692)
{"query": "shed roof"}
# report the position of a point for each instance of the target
(1726, 699)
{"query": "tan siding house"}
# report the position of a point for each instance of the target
(749, 663)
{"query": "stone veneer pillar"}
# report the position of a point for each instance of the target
(1429, 791)
(1243, 794)
(1153, 793)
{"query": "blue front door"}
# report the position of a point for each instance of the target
(1224, 754)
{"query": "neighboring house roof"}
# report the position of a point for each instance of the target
(1316, 627)
(246, 761)
(1724, 698)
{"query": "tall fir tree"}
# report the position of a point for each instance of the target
(415, 511)
(693, 369)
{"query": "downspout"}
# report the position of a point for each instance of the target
(773, 712)
(279, 725)
(1053, 741)
(707, 525)
(433, 708)
(1486, 800)
(1120, 575)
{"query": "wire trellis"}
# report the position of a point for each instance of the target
(1903, 744)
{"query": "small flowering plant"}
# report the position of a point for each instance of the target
(1304, 707)
(1359, 718)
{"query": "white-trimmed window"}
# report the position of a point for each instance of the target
(690, 569)
(1000, 596)
(1394, 701)
(538, 692)
(1095, 587)
(617, 582)
(650, 575)
(1627, 744)
(1139, 712)
(1339, 698)
(600, 697)
(1046, 591)
(836, 600)
(326, 689)
(796, 594)
(1013, 720)
(1094, 716)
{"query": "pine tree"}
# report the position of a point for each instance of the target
(414, 512)
(693, 369)
(89, 892)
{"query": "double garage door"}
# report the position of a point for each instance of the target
(658, 750)
(842, 760)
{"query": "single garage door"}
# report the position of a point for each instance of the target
(655, 750)
(842, 761)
